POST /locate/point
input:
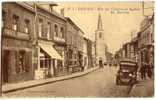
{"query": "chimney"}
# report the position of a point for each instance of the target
(50, 8)
(62, 11)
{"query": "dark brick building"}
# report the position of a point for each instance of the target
(17, 35)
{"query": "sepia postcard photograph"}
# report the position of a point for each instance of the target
(77, 49)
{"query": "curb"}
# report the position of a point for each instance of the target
(50, 80)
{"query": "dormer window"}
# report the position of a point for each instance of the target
(15, 22)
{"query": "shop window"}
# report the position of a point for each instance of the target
(27, 25)
(15, 22)
(41, 63)
(44, 60)
(59, 63)
(22, 62)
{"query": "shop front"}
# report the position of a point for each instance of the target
(16, 61)
(48, 59)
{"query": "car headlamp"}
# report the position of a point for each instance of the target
(130, 75)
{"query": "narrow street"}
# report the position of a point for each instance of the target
(100, 83)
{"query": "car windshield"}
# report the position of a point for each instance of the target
(127, 67)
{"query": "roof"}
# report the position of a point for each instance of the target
(72, 22)
(29, 6)
(135, 39)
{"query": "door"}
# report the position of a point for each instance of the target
(5, 65)
(100, 63)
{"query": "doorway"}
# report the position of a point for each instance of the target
(100, 63)
(5, 65)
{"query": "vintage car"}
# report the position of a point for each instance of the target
(127, 72)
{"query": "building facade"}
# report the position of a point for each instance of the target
(74, 40)
(17, 37)
(146, 41)
(93, 54)
(38, 43)
(85, 54)
(50, 44)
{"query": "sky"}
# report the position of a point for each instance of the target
(119, 19)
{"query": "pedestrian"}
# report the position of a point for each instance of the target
(143, 71)
(82, 68)
(149, 72)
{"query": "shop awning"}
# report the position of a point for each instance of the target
(51, 51)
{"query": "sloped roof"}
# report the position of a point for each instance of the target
(29, 6)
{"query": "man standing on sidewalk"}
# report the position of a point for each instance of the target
(143, 71)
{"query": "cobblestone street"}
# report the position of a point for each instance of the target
(100, 83)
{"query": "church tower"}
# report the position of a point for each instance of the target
(100, 43)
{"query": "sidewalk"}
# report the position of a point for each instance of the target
(144, 88)
(22, 85)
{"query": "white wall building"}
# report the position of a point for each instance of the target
(85, 55)
(100, 43)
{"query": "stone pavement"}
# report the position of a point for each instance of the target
(22, 85)
(144, 88)
(99, 83)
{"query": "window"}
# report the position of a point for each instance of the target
(62, 32)
(48, 30)
(40, 27)
(100, 35)
(56, 31)
(27, 25)
(3, 18)
(152, 40)
(59, 64)
(22, 61)
(44, 60)
(15, 22)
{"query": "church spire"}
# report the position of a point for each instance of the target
(99, 27)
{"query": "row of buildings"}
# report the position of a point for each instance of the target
(39, 43)
(141, 47)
